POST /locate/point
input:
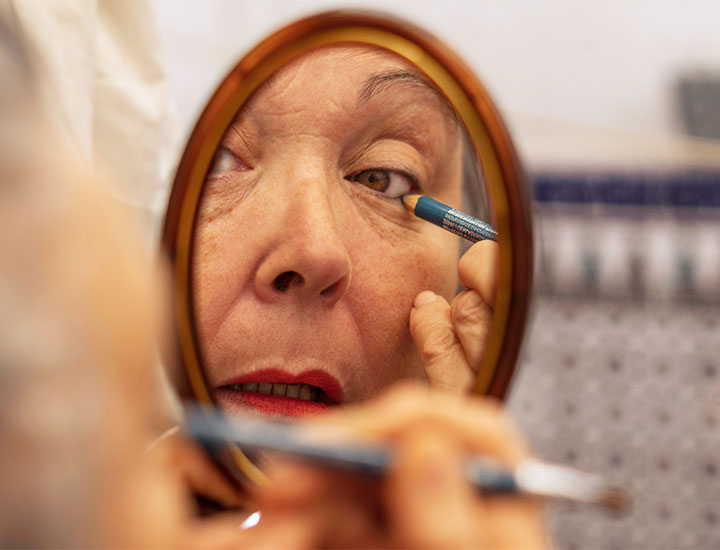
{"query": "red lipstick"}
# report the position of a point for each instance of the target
(278, 392)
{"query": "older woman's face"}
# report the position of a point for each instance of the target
(306, 263)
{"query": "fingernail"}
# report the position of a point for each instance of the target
(425, 297)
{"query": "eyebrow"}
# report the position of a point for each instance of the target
(379, 82)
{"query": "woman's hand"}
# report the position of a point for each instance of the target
(195, 470)
(424, 501)
(451, 337)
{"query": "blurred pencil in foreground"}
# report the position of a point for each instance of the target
(322, 446)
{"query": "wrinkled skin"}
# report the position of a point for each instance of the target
(301, 265)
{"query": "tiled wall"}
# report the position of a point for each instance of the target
(620, 372)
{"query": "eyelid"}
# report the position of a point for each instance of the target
(238, 142)
(389, 168)
(222, 150)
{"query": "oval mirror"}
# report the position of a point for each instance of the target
(296, 263)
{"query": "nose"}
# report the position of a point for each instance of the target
(308, 259)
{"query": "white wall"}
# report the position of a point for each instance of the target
(552, 65)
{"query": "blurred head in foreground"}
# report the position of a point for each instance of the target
(76, 334)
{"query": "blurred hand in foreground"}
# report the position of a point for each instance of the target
(424, 501)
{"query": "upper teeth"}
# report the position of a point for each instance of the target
(298, 391)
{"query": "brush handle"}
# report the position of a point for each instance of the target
(531, 477)
(255, 434)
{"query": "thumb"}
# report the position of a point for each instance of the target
(440, 350)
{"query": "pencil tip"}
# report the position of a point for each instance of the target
(410, 201)
(615, 499)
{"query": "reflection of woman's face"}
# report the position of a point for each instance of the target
(306, 262)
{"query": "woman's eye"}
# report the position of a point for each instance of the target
(225, 161)
(389, 182)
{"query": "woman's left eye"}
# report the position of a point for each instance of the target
(225, 161)
(389, 182)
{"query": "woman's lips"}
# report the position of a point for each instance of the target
(268, 404)
(277, 392)
(318, 378)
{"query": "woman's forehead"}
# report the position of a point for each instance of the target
(351, 64)
(349, 93)
(350, 76)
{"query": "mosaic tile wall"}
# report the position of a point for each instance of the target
(620, 372)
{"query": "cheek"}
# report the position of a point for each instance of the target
(399, 262)
(207, 281)
(386, 278)
(394, 276)
(218, 269)
(401, 256)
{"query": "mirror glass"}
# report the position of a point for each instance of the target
(296, 261)
(305, 260)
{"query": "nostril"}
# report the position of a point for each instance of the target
(330, 289)
(283, 281)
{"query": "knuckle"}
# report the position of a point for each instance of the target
(468, 308)
(437, 342)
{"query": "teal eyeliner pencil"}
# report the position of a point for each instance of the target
(449, 219)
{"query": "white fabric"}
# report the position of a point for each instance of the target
(101, 77)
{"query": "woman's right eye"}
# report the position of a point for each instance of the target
(393, 183)
(225, 161)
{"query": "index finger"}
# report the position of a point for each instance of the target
(477, 269)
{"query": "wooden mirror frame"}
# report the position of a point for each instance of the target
(502, 171)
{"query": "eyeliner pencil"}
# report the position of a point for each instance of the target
(321, 446)
(452, 220)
